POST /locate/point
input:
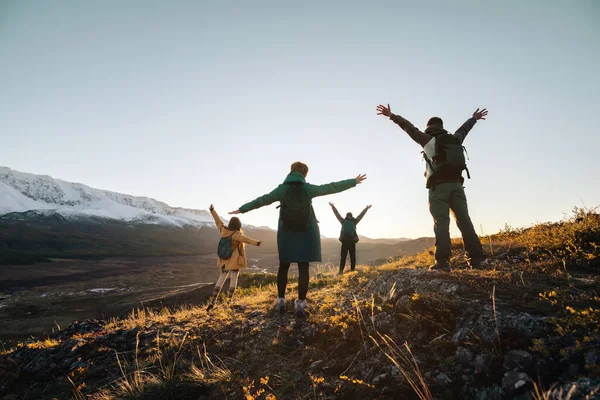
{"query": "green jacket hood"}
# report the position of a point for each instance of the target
(294, 177)
(435, 131)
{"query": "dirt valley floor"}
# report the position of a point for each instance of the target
(36, 298)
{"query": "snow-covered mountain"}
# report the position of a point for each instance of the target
(21, 192)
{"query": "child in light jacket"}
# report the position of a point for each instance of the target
(237, 261)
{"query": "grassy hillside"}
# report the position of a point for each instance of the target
(525, 326)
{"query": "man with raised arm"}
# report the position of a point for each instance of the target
(445, 161)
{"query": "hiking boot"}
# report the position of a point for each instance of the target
(230, 295)
(280, 305)
(300, 305)
(440, 266)
(476, 263)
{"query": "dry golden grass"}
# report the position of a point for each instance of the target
(242, 349)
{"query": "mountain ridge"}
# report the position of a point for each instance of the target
(21, 192)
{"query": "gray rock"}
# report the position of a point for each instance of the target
(443, 379)
(517, 359)
(490, 393)
(482, 361)
(380, 379)
(515, 382)
(464, 356)
(368, 375)
(450, 288)
(309, 331)
(383, 321)
(467, 378)
(483, 325)
(578, 389)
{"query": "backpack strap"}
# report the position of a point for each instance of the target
(281, 201)
(467, 169)
(437, 150)
(427, 160)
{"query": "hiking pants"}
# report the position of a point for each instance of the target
(443, 198)
(233, 275)
(348, 247)
(282, 278)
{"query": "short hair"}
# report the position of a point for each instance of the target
(299, 167)
(234, 224)
(435, 121)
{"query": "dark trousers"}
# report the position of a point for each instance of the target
(282, 278)
(348, 247)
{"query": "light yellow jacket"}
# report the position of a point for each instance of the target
(238, 243)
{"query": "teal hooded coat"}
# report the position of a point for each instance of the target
(297, 247)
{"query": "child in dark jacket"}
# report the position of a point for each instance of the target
(348, 236)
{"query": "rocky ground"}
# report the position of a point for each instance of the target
(525, 326)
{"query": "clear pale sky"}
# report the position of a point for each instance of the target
(193, 102)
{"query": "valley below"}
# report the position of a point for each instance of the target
(38, 298)
(34, 299)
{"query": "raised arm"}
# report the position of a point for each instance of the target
(362, 214)
(415, 134)
(462, 132)
(275, 195)
(220, 225)
(337, 214)
(334, 187)
(240, 237)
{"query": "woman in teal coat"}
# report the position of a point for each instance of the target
(296, 246)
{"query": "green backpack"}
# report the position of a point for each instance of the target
(449, 158)
(295, 208)
(224, 250)
(348, 230)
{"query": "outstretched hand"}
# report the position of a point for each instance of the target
(235, 212)
(383, 110)
(331, 204)
(480, 114)
(211, 207)
(360, 178)
(369, 206)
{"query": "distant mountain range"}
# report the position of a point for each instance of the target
(41, 216)
(21, 192)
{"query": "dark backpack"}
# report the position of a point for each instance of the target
(449, 159)
(224, 250)
(295, 208)
(348, 230)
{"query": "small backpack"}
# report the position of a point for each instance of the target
(295, 208)
(348, 230)
(448, 159)
(224, 250)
